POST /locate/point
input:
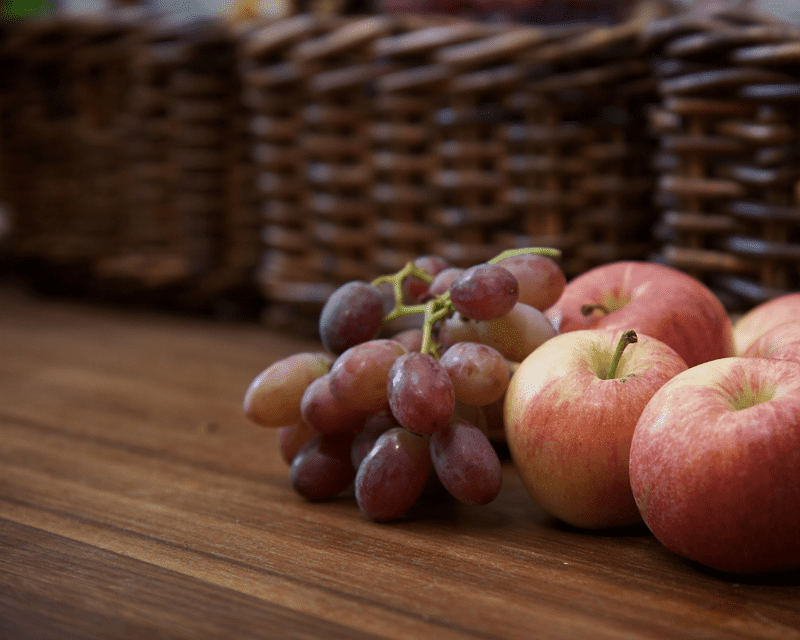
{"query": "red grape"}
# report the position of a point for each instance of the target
(393, 475)
(541, 280)
(517, 333)
(466, 463)
(414, 288)
(322, 468)
(444, 280)
(273, 398)
(479, 373)
(325, 413)
(484, 292)
(358, 376)
(420, 392)
(292, 438)
(375, 426)
(352, 314)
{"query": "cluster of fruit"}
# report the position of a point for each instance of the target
(409, 392)
(624, 396)
(695, 430)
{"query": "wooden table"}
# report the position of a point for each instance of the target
(136, 501)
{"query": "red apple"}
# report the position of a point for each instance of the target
(569, 425)
(781, 342)
(715, 464)
(652, 299)
(764, 317)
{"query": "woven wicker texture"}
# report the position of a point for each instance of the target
(295, 154)
(728, 161)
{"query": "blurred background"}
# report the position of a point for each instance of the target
(244, 158)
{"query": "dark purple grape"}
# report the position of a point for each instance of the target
(393, 475)
(421, 395)
(484, 292)
(353, 314)
(322, 469)
(466, 463)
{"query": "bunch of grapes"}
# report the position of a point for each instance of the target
(408, 394)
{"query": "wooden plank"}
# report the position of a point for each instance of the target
(136, 500)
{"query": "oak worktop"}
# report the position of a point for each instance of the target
(136, 501)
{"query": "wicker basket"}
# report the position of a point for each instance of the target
(39, 141)
(295, 154)
(728, 163)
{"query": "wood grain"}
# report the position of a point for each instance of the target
(137, 501)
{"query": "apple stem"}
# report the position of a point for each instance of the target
(628, 337)
(589, 309)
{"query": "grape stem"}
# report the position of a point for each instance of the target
(628, 337)
(539, 251)
(440, 306)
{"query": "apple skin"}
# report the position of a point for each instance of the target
(569, 431)
(781, 342)
(764, 317)
(715, 464)
(652, 299)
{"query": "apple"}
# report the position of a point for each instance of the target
(652, 299)
(764, 317)
(781, 342)
(715, 465)
(569, 419)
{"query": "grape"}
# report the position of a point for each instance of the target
(352, 314)
(325, 413)
(484, 292)
(488, 418)
(374, 427)
(414, 288)
(393, 475)
(466, 463)
(541, 280)
(358, 376)
(273, 398)
(322, 467)
(457, 329)
(494, 427)
(444, 280)
(517, 333)
(420, 392)
(291, 438)
(411, 339)
(479, 373)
